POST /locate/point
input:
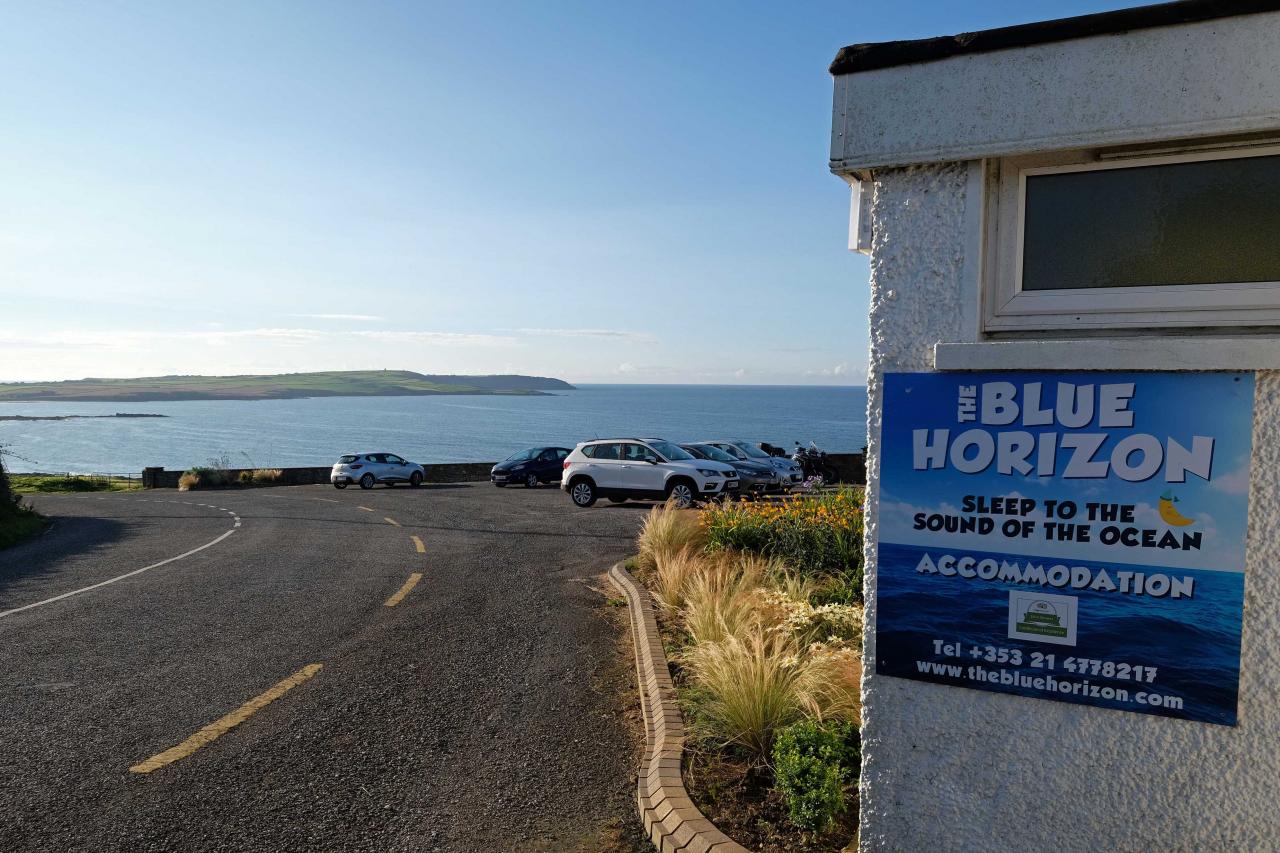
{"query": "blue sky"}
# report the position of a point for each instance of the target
(602, 192)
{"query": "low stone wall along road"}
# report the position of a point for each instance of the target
(303, 668)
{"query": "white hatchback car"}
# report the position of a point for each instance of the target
(369, 469)
(642, 469)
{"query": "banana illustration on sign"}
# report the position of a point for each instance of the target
(1170, 513)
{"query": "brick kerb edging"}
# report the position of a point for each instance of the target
(670, 818)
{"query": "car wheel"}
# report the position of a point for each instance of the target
(681, 493)
(415, 479)
(583, 493)
(339, 485)
(531, 481)
(367, 481)
(617, 500)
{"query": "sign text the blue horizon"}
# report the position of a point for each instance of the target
(1135, 457)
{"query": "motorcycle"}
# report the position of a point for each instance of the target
(813, 461)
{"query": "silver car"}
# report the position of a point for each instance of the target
(789, 473)
(369, 469)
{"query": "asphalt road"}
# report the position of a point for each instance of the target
(486, 710)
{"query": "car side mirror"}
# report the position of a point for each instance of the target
(651, 460)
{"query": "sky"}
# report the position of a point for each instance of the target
(601, 192)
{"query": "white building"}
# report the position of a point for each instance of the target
(1096, 193)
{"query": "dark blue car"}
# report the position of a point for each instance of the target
(532, 467)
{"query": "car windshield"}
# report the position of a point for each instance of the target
(669, 450)
(348, 458)
(751, 450)
(524, 454)
(713, 452)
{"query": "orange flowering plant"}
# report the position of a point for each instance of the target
(819, 535)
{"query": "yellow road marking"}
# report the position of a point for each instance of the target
(404, 590)
(365, 508)
(417, 544)
(218, 728)
(391, 521)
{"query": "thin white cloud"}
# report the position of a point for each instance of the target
(358, 318)
(1234, 483)
(135, 339)
(611, 334)
(841, 369)
(629, 369)
(438, 338)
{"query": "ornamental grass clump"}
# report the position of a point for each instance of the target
(749, 687)
(721, 598)
(667, 531)
(832, 685)
(672, 574)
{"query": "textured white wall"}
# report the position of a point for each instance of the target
(945, 768)
(1214, 77)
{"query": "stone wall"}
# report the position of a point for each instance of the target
(448, 472)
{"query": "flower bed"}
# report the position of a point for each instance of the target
(760, 611)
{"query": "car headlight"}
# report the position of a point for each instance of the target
(707, 472)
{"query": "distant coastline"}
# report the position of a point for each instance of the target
(284, 386)
(75, 417)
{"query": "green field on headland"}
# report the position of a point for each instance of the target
(337, 383)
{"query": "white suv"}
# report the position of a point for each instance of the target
(642, 469)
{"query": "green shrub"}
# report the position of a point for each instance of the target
(7, 497)
(812, 763)
(200, 477)
(17, 522)
(819, 536)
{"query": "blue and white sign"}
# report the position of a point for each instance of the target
(1068, 536)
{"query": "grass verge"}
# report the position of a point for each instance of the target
(19, 524)
(55, 483)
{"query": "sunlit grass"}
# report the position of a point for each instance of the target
(48, 483)
(666, 531)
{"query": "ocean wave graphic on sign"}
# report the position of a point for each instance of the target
(1041, 618)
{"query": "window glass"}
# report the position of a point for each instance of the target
(1190, 223)
(751, 450)
(561, 453)
(376, 457)
(636, 453)
(393, 459)
(348, 458)
(669, 450)
(710, 451)
(731, 450)
(522, 455)
(602, 451)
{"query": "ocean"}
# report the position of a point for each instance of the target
(315, 431)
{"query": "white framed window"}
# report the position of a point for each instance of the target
(1079, 241)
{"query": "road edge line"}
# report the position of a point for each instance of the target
(404, 590)
(100, 584)
(226, 722)
(660, 788)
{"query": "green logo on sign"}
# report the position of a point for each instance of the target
(1041, 618)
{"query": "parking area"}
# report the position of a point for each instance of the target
(303, 668)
